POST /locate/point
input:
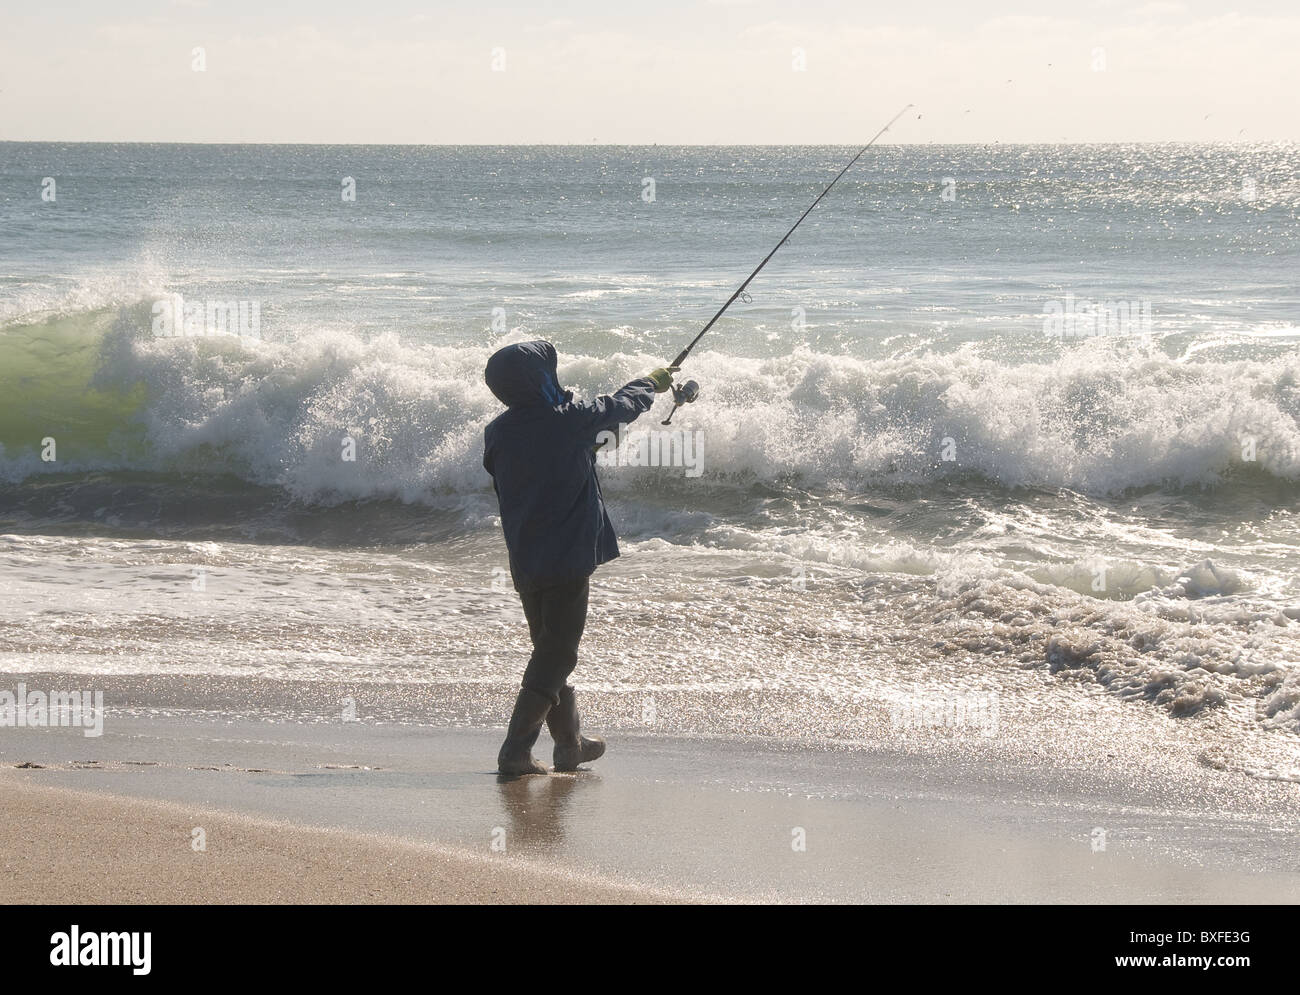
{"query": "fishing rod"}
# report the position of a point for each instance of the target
(690, 390)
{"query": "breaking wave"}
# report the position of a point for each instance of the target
(1099, 420)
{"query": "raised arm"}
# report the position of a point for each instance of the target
(624, 405)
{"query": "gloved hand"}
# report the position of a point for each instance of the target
(662, 378)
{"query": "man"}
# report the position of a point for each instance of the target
(541, 456)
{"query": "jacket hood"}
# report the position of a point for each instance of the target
(523, 374)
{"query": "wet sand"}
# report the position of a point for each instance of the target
(357, 812)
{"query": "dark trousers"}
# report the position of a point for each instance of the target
(556, 617)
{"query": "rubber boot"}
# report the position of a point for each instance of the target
(571, 748)
(516, 754)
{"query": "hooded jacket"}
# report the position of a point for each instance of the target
(543, 465)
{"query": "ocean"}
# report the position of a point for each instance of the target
(1001, 450)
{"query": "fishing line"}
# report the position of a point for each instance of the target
(690, 390)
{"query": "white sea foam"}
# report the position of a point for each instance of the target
(1098, 420)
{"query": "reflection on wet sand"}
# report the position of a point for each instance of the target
(536, 809)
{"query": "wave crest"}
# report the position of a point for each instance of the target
(1098, 420)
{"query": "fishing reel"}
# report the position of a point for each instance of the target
(684, 394)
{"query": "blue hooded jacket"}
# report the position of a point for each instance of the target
(543, 466)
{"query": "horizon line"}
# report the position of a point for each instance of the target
(586, 145)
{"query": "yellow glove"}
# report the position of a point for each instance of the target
(662, 378)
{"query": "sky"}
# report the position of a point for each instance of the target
(653, 71)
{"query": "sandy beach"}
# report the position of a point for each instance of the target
(313, 811)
